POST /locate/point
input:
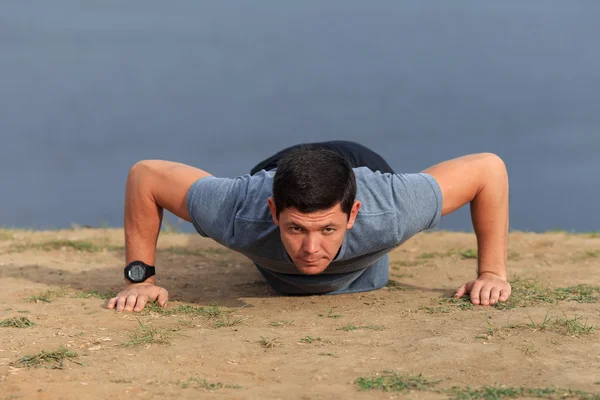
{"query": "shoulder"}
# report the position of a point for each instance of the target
(414, 199)
(374, 189)
(374, 185)
(242, 186)
(259, 187)
(217, 205)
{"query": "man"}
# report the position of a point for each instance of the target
(317, 218)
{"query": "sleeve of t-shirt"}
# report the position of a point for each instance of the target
(213, 203)
(417, 201)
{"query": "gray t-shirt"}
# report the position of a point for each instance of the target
(395, 207)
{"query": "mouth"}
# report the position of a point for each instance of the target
(310, 262)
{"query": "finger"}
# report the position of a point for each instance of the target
(163, 296)
(461, 291)
(475, 296)
(131, 300)
(504, 294)
(112, 302)
(484, 295)
(141, 303)
(494, 295)
(121, 303)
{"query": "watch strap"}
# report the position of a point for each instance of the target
(149, 270)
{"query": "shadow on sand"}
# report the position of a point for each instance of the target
(222, 279)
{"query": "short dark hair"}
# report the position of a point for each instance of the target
(312, 179)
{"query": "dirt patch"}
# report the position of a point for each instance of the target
(225, 334)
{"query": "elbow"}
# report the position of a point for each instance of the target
(493, 165)
(142, 167)
(493, 174)
(139, 172)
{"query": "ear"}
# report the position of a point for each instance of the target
(353, 214)
(273, 209)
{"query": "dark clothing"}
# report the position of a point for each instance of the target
(356, 154)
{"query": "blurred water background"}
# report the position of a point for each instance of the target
(89, 88)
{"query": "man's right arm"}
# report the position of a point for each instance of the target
(152, 186)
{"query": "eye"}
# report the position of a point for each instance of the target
(295, 229)
(329, 230)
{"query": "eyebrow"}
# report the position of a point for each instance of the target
(329, 225)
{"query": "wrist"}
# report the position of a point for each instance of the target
(494, 274)
(149, 281)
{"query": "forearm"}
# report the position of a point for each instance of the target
(480, 180)
(154, 185)
(143, 218)
(489, 214)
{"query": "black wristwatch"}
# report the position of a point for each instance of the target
(138, 271)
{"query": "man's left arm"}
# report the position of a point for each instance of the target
(482, 181)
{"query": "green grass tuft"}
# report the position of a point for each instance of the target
(51, 359)
(47, 296)
(207, 312)
(330, 314)
(580, 293)
(397, 264)
(146, 335)
(309, 339)
(281, 323)
(391, 382)
(566, 326)
(201, 383)
(16, 322)
(429, 256)
(502, 392)
(328, 354)
(351, 327)
(530, 292)
(221, 317)
(227, 321)
(574, 326)
(435, 310)
(94, 295)
(468, 254)
(121, 380)
(464, 303)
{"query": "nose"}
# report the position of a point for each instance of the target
(310, 244)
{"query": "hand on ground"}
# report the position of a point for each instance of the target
(135, 296)
(488, 289)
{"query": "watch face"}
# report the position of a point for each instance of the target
(137, 273)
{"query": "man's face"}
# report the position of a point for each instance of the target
(312, 240)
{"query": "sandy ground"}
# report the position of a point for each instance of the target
(264, 346)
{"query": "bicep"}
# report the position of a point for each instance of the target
(169, 183)
(462, 178)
